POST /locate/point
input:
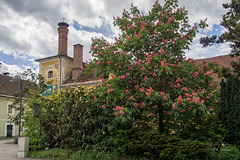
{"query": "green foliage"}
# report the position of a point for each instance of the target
(209, 130)
(70, 119)
(151, 144)
(226, 153)
(150, 78)
(230, 108)
(54, 154)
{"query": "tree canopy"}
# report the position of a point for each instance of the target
(145, 72)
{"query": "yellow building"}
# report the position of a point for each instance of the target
(62, 70)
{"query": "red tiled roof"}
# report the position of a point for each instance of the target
(224, 61)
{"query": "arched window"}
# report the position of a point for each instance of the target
(50, 74)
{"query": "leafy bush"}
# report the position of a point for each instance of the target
(71, 120)
(229, 152)
(151, 144)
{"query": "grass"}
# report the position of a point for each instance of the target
(54, 154)
(62, 154)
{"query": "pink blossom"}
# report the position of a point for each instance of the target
(127, 92)
(137, 87)
(180, 98)
(179, 64)
(208, 97)
(162, 50)
(108, 62)
(115, 114)
(148, 94)
(112, 75)
(189, 99)
(195, 74)
(169, 20)
(163, 64)
(95, 99)
(178, 85)
(103, 106)
(143, 68)
(178, 80)
(142, 89)
(174, 107)
(188, 95)
(165, 98)
(194, 94)
(109, 90)
(154, 74)
(209, 107)
(135, 105)
(143, 104)
(146, 78)
(153, 115)
(108, 85)
(122, 77)
(121, 112)
(161, 93)
(211, 94)
(139, 36)
(154, 106)
(155, 67)
(112, 90)
(139, 63)
(135, 34)
(202, 101)
(131, 98)
(127, 74)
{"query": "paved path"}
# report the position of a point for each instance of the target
(8, 150)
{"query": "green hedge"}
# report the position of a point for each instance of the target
(151, 144)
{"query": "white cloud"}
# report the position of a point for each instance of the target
(29, 30)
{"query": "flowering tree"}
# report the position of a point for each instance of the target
(145, 72)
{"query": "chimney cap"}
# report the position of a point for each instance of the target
(63, 24)
(78, 45)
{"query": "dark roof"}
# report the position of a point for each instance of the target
(8, 88)
(82, 79)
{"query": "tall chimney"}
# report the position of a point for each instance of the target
(63, 38)
(77, 61)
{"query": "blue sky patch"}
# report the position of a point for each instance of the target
(11, 60)
(216, 30)
(105, 29)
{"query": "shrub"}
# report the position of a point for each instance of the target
(229, 152)
(151, 144)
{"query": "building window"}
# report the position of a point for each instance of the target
(10, 109)
(50, 74)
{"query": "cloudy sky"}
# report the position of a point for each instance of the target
(28, 28)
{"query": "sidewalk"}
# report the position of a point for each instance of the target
(8, 150)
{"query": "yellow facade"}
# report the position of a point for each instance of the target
(51, 66)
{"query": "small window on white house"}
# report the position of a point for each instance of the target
(10, 109)
(50, 74)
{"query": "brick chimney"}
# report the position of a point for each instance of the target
(77, 61)
(63, 38)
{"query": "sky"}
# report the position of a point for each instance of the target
(28, 28)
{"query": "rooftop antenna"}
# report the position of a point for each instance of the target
(63, 19)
